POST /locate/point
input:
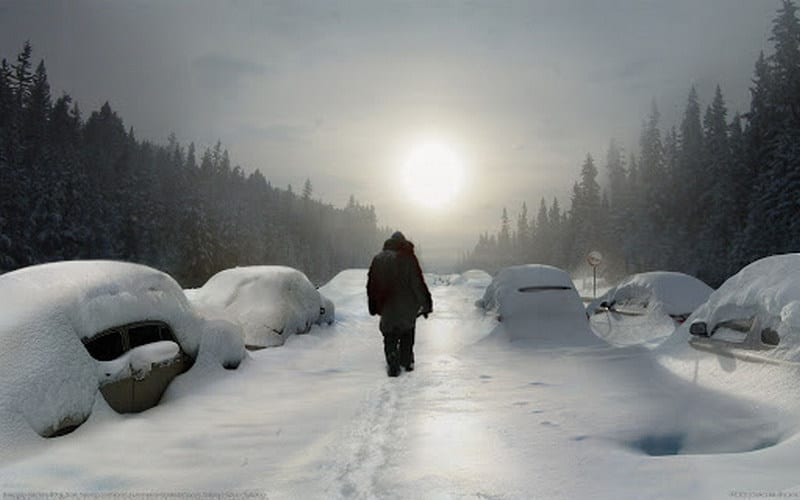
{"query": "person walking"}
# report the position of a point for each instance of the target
(396, 291)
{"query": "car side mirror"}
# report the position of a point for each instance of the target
(770, 337)
(699, 328)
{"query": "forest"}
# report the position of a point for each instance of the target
(705, 196)
(75, 188)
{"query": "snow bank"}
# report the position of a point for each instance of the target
(644, 306)
(328, 312)
(222, 344)
(270, 303)
(473, 278)
(435, 279)
(348, 290)
(537, 302)
(47, 377)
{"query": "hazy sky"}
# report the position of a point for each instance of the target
(341, 92)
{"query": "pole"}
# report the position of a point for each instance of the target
(594, 282)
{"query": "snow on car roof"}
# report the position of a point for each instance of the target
(97, 295)
(524, 276)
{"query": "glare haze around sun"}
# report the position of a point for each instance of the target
(432, 174)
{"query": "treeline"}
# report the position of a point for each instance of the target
(705, 197)
(81, 189)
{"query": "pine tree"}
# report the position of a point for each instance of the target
(22, 77)
(523, 235)
(504, 239)
(772, 134)
(543, 235)
(652, 197)
(717, 232)
(585, 214)
(786, 64)
(615, 166)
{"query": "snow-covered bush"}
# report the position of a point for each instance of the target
(270, 303)
(48, 379)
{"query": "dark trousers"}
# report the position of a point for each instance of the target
(398, 346)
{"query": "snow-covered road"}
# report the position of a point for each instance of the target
(479, 418)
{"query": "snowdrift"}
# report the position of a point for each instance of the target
(48, 379)
(348, 290)
(473, 278)
(646, 308)
(538, 302)
(270, 303)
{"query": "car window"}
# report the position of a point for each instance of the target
(147, 333)
(529, 289)
(114, 342)
(107, 345)
(738, 325)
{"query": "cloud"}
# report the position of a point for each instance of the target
(633, 69)
(278, 132)
(221, 72)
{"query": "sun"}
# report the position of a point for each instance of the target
(432, 174)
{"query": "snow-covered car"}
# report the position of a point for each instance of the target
(674, 294)
(646, 308)
(537, 302)
(71, 329)
(755, 314)
(270, 303)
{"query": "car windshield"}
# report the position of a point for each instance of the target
(114, 342)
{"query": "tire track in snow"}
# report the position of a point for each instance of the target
(370, 440)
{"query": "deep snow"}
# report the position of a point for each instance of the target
(479, 418)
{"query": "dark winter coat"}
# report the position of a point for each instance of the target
(396, 288)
